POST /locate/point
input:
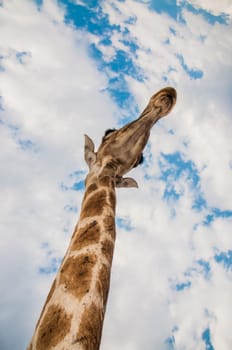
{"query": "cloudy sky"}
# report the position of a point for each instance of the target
(69, 67)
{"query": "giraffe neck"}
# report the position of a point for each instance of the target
(73, 314)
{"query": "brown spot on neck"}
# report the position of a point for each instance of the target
(54, 327)
(29, 347)
(76, 274)
(106, 181)
(47, 300)
(107, 248)
(86, 236)
(103, 283)
(90, 189)
(109, 226)
(89, 333)
(94, 205)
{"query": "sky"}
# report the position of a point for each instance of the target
(70, 67)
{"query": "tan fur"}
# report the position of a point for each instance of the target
(54, 328)
(76, 274)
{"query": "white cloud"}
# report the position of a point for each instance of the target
(214, 7)
(54, 96)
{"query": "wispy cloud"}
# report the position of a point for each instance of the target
(75, 67)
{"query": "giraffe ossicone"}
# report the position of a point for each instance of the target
(73, 314)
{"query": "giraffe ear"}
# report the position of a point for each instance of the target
(90, 155)
(126, 182)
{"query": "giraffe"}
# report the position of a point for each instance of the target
(73, 313)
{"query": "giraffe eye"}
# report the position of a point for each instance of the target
(109, 131)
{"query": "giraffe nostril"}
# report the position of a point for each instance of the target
(141, 159)
(171, 99)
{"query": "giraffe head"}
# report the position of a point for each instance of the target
(121, 150)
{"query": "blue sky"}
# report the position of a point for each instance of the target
(75, 67)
